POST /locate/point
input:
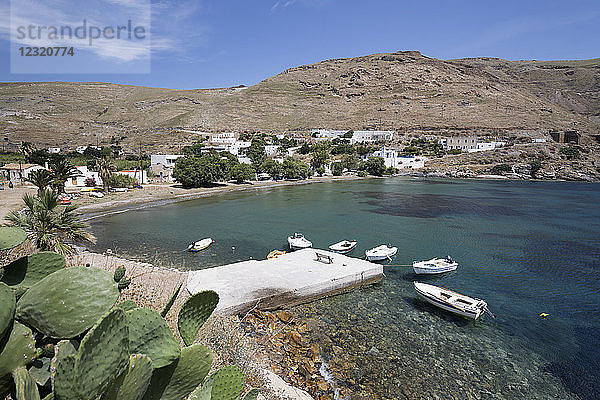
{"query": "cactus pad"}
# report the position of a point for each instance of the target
(171, 301)
(68, 302)
(7, 310)
(62, 350)
(228, 383)
(119, 274)
(63, 378)
(28, 270)
(133, 384)
(194, 313)
(149, 334)
(11, 236)
(102, 356)
(176, 381)
(127, 305)
(19, 349)
(26, 388)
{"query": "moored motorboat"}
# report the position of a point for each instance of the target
(200, 245)
(343, 247)
(435, 266)
(383, 252)
(448, 300)
(298, 241)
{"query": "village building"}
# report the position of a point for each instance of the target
(162, 166)
(84, 176)
(141, 176)
(18, 172)
(53, 150)
(565, 136)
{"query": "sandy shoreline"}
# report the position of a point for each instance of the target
(157, 195)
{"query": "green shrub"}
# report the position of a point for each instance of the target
(337, 168)
(122, 181)
(571, 152)
(499, 169)
(535, 166)
(362, 174)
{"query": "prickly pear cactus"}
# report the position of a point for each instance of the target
(102, 356)
(62, 374)
(7, 310)
(251, 395)
(171, 301)
(63, 378)
(176, 381)
(149, 334)
(194, 313)
(28, 270)
(68, 302)
(11, 236)
(19, 349)
(127, 305)
(123, 283)
(119, 274)
(133, 384)
(26, 388)
(225, 384)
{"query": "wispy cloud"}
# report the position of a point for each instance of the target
(282, 4)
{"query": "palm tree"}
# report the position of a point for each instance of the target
(105, 168)
(50, 228)
(27, 148)
(42, 178)
(61, 171)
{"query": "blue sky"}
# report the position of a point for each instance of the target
(220, 43)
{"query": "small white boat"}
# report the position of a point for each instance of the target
(435, 266)
(383, 252)
(451, 301)
(298, 241)
(200, 244)
(343, 247)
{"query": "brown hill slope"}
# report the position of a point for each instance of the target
(400, 91)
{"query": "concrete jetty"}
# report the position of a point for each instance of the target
(287, 280)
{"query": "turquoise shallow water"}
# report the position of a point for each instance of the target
(525, 247)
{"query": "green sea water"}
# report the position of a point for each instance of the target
(524, 247)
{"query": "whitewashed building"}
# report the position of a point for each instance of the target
(410, 162)
(84, 175)
(389, 156)
(18, 172)
(237, 146)
(81, 149)
(162, 166)
(462, 143)
(272, 149)
(371, 136)
(53, 150)
(224, 137)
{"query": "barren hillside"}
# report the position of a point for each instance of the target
(404, 91)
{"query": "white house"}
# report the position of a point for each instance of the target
(237, 145)
(162, 166)
(272, 149)
(81, 149)
(371, 136)
(538, 140)
(224, 137)
(410, 162)
(84, 174)
(53, 150)
(486, 146)
(389, 156)
(244, 160)
(19, 172)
